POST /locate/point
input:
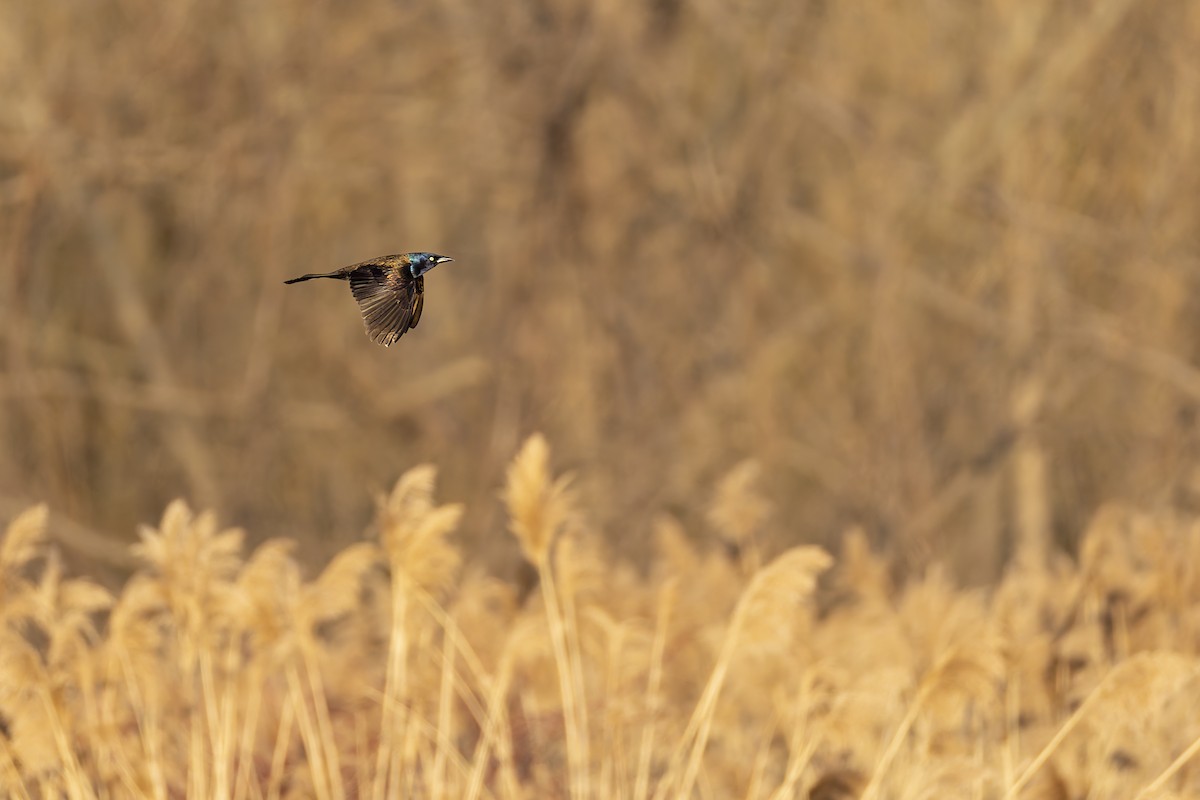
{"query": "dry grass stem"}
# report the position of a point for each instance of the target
(390, 673)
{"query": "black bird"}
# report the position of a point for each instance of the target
(390, 291)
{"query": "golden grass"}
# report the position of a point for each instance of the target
(394, 673)
(848, 318)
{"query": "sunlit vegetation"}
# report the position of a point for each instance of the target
(394, 672)
(865, 335)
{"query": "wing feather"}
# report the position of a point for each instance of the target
(388, 298)
(419, 306)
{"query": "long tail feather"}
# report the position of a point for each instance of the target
(338, 275)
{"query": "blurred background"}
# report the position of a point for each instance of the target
(933, 266)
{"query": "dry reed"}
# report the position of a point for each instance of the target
(390, 673)
(913, 284)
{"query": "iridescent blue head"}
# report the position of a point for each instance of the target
(420, 263)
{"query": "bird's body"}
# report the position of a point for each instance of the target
(390, 291)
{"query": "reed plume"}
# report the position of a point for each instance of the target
(393, 672)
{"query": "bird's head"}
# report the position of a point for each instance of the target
(420, 263)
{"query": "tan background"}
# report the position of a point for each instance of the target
(934, 266)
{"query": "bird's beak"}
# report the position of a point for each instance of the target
(442, 259)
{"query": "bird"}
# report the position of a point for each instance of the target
(390, 291)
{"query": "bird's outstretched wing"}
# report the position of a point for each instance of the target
(389, 299)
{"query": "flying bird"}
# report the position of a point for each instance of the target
(390, 291)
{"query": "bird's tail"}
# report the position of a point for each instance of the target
(337, 274)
